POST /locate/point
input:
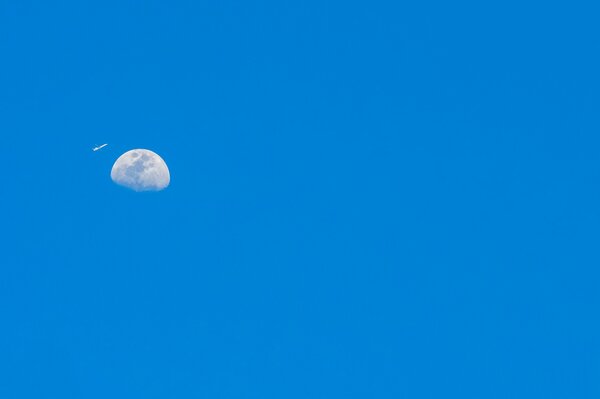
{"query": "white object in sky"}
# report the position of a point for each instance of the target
(141, 170)
(99, 147)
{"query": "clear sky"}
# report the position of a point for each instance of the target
(368, 200)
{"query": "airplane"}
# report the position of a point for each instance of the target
(99, 147)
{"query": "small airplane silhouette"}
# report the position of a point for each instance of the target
(99, 147)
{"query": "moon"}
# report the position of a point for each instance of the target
(141, 170)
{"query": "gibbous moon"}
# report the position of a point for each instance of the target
(141, 170)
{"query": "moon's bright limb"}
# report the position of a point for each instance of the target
(141, 170)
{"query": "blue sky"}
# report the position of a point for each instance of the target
(367, 200)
